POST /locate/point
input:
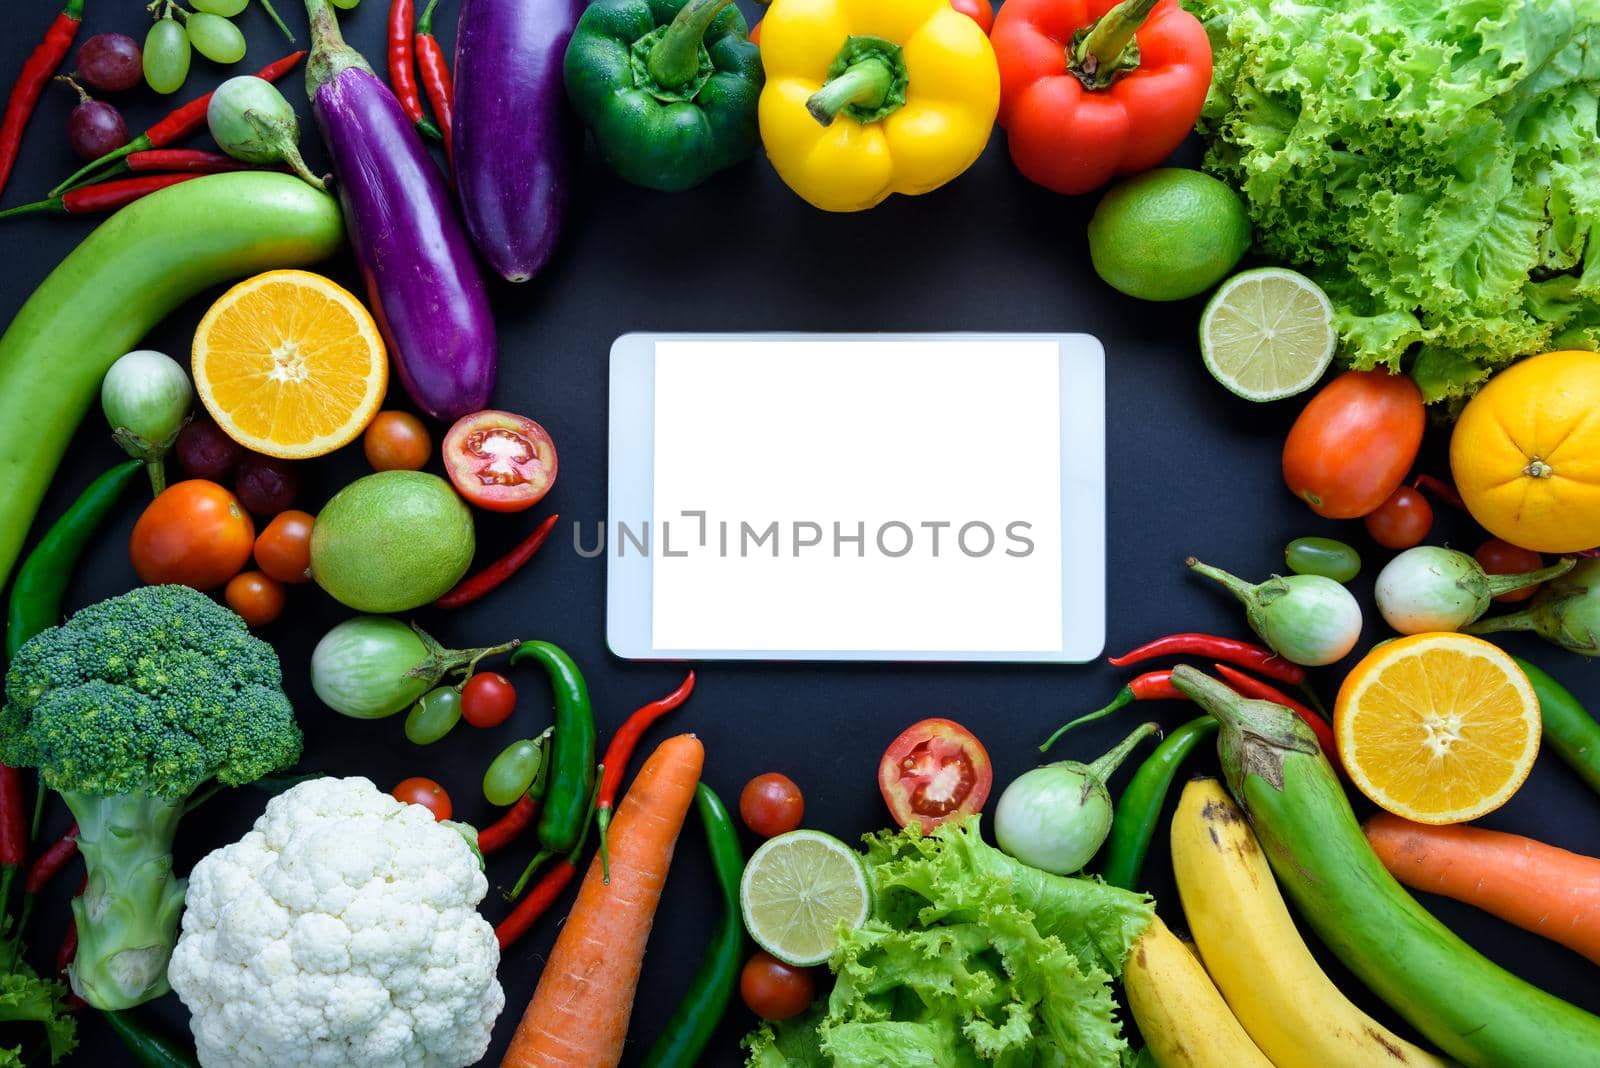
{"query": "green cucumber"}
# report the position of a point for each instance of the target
(125, 277)
(1468, 1006)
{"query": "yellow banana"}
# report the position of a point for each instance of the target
(1255, 955)
(1185, 1022)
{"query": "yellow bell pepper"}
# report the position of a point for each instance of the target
(870, 97)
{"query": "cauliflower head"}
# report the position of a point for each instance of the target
(342, 930)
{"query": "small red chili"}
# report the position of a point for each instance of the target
(35, 75)
(1231, 650)
(435, 71)
(495, 575)
(1151, 686)
(48, 865)
(98, 198)
(509, 827)
(620, 751)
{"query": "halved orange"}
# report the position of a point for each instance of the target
(290, 364)
(1438, 728)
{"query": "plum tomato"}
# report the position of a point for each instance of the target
(397, 441)
(771, 804)
(499, 461)
(427, 793)
(283, 549)
(195, 534)
(266, 484)
(1502, 558)
(1402, 521)
(1354, 442)
(487, 699)
(256, 597)
(934, 771)
(774, 990)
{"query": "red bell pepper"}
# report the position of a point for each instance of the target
(1090, 89)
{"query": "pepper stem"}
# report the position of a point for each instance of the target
(527, 873)
(675, 59)
(425, 22)
(1104, 767)
(1124, 698)
(602, 820)
(53, 206)
(865, 83)
(266, 5)
(1499, 584)
(1109, 49)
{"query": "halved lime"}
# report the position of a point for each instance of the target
(796, 890)
(1268, 334)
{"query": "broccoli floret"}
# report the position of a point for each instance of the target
(127, 709)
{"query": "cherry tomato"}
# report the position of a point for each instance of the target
(936, 770)
(771, 804)
(397, 441)
(755, 33)
(488, 699)
(774, 990)
(256, 597)
(500, 461)
(1353, 444)
(283, 549)
(1401, 521)
(195, 534)
(427, 793)
(978, 11)
(1502, 558)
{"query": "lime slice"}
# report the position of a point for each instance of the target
(1268, 334)
(796, 890)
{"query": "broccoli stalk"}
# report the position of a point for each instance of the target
(127, 709)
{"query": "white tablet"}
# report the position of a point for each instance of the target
(856, 497)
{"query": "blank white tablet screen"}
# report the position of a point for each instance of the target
(857, 495)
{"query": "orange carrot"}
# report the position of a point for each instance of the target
(579, 1014)
(1538, 887)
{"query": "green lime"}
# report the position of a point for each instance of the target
(1268, 334)
(392, 541)
(1168, 234)
(796, 890)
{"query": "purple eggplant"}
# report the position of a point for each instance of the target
(515, 141)
(423, 283)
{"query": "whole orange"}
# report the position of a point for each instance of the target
(194, 534)
(1526, 453)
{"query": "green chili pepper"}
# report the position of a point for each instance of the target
(701, 1010)
(42, 579)
(150, 1049)
(571, 751)
(1323, 556)
(1571, 731)
(1139, 808)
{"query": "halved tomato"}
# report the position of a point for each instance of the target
(936, 770)
(500, 461)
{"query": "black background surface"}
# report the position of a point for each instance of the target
(1191, 470)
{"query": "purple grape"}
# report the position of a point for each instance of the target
(267, 485)
(111, 62)
(95, 128)
(204, 451)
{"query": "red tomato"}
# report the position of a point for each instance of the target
(487, 700)
(500, 461)
(978, 11)
(755, 34)
(397, 441)
(774, 990)
(257, 598)
(1401, 521)
(1502, 558)
(771, 804)
(195, 534)
(283, 550)
(427, 793)
(936, 770)
(1353, 444)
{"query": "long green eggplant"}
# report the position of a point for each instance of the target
(124, 278)
(1470, 1007)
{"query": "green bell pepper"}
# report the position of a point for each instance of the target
(669, 88)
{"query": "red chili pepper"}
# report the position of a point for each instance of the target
(493, 576)
(193, 160)
(1249, 686)
(402, 68)
(620, 751)
(435, 70)
(68, 950)
(181, 123)
(1151, 686)
(1240, 654)
(505, 830)
(48, 865)
(539, 899)
(1441, 489)
(36, 71)
(101, 197)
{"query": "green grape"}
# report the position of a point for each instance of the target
(434, 715)
(225, 8)
(166, 56)
(512, 772)
(216, 38)
(346, 4)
